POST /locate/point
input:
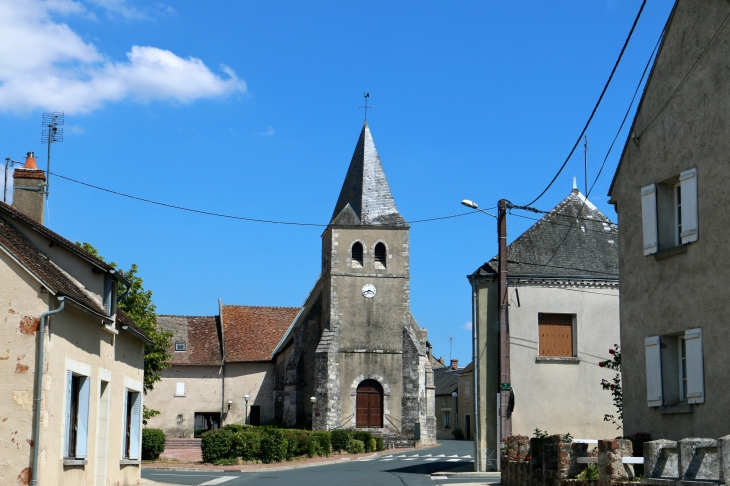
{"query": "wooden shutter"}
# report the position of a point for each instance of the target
(82, 430)
(180, 389)
(652, 347)
(125, 436)
(688, 183)
(695, 366)
(134, 430)
(648, 218)
(67, 413)
(556, 335)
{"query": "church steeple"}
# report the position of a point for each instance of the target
(365, 197)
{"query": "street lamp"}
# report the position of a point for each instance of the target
(456, 407)
(473, 205)
(245, 418)
(313, 400)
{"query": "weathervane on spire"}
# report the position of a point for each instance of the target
(366, 95)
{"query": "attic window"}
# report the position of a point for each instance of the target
(380, 256)
(357, 255)
(179, 346)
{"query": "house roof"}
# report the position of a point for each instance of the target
(467, 369)
(574, 239)
(445, 380)
(132, 327)
(251, 333)
(365, 197)
(201, 335)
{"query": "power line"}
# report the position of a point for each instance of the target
(595, 108)
(605, 232)
(230, 216)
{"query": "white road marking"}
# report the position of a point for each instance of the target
(467, 457)
(184, 475)
(453, 460)
(455, 455)
(410, 459)
(440, 455)
(389, 455)
(364, 460)
(433, 459)
(401, 455)
(383, 460)
(427, 455)
(415, 455)
(220, 480)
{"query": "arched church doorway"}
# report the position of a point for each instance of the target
(369, 404)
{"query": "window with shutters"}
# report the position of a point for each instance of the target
(76, 416)
(357, 261)
(675, 369)
(447, 420)
(669, 212)
(556, 335)
(467, 392)
(380, 256)
(132, 424)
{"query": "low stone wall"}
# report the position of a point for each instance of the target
(687, 462)
(552, 461)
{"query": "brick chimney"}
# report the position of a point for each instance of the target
(29, 201)
(454, 364)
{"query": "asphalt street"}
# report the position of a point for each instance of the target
(396, 469)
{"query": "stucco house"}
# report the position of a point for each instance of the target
(465, 401)
(445, 379)
(67, 347)
(563, 293)
(671, 192)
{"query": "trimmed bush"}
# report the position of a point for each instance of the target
(339, 439)
(319, 444)
(198, 433)
(365, 438)
(298, 442)
(235, 428)
(379, 443)
(355, 446)
(273, 446)
(458, 434)
(246, 445)
(153, 443)
(216, 444)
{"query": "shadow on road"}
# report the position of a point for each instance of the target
(432, 467)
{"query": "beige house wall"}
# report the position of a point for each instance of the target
(466, 403)
(76, 341)
(445, 403)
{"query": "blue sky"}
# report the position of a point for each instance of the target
(251, 109)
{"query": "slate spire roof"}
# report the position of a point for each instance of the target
(365, 197)
(574, 239)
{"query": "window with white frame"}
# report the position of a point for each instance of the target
(675, 369)
(447, 419)
(669, 212)
(76, 423)
(180, 346)
(180, 389)
(132, 424)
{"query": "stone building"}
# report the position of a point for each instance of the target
(353, 356)
(563, 318)
(670, 191)
(71, 364)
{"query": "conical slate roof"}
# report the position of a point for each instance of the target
(365, 197)
(574, 239)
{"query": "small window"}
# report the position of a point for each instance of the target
(447, 420)
(556, 335)
(380, 255)
(132, 424)
(179, 389)
(467, 392)
(357, 261)
(77, 416)
(179, 346)
(446, 401)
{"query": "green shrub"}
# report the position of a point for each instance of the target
(325, 441)
(153, 443)
(339, 440)
(355, 446)
(273, 446)
(227, 461)
(198, 433)
(216, 444)
(365, 438)
(379, 443)
(458, 434)
(590, 472)
(246, 445)
(235, 428)
(298, 442)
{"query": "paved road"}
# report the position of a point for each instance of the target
(409, 469)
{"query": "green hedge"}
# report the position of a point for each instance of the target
(379, 443)
(153, 443)
(355, 446)
(246, 445)
(366, 438)
(320, 444)
(339, 439)
(273, 446)
(216, 444)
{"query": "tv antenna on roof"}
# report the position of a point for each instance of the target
(51, 134)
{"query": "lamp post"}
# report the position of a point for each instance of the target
(313, 400)
(456, 407)
(245, 418)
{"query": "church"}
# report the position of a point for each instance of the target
(352, 356)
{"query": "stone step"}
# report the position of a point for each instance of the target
(176, 443)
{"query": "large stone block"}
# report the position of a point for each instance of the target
(698, 459)
(661, 459)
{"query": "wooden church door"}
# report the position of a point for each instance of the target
(369, 404)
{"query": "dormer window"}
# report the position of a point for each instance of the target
(357, 261)
(380, 254)
(179, 346)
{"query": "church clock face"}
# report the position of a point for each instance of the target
(368, 291)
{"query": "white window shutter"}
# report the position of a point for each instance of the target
(134, 430)
(82, 430)
(648, 218)
(67, 413)
(688, 183)
(124, 430)
(695, 366)
(653, 371)
(180, 390)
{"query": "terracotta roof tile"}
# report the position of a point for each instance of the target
(252, 332)
(201, 337)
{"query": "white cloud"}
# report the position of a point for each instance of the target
(122, 8)
(467, 326)
(267, 133)
(48, 66)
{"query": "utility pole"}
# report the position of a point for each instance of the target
(505, 385)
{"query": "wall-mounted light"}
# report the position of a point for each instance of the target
(179, 418)
(313, 399)
(230, 402)
(454, 394)
(281, 399)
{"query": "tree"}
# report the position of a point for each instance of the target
(614, 386)
(137, 303)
